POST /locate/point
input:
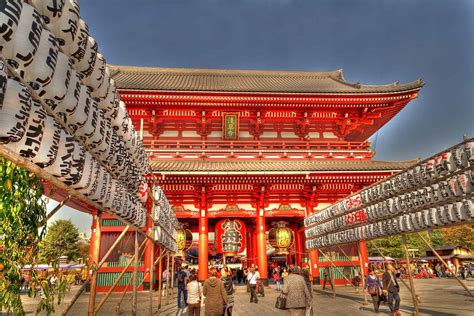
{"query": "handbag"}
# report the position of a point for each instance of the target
(373, 290)
(281, 302)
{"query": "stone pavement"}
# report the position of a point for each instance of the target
(438, 297)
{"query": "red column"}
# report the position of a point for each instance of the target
(299, 248)
(254, 248)
(364, 255)
(261, 244)
(249, 234)
(203, 251)
(313, 254)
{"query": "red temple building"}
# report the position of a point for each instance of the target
(258, 146)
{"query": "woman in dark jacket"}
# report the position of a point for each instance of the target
(374, 287)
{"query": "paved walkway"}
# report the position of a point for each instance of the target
(438, 297)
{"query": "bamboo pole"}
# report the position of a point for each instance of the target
(401, 279)
(412, 284)
(151, 270)
(58, 207)
(445, 264)
(172, 275)
(95, 260)
(102, 302)
(330, 276)
(352, 263)
(135, 278)
(332, 263)
(101, 263)
(160, 277)
(167, 286)
(363, 277)
(117, 308)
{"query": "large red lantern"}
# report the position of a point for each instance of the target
(281, 238)
(230, 237)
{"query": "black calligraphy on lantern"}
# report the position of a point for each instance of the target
(232, 237)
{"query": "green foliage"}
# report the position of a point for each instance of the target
(392, 246)
(22, 211)
(61, 240)
(22, 226)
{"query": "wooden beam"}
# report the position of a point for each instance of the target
(135, 277)
(152, 279)
(410, 276)
(95, 260)
(58, 207)
(445, 264)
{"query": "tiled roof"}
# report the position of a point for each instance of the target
(219, 80)
(275, 166)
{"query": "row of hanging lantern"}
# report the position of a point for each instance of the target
(164, 218)
(428, 176)
(88, 141)
(452, 184)
(446, 215)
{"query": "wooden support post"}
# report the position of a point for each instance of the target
(102, 302)
(167, 286)
(401, 279)
(160, 278)
(412, 284)
(445, 264)
(330, 276)
(135, 277)
(152, 279)
(95, 260)
(58, 207)
(101, 263)
(172, 275)
(363, 278)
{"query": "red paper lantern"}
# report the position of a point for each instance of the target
(230, 237)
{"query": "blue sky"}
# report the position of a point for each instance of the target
(374, 41)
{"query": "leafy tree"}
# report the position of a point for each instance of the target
(22, 226)
(84, 247)
(459, 235)
(392, 246)
(61, 240)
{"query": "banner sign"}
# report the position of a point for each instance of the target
(230, 125)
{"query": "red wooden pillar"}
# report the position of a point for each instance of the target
(203, 251)
(364, 255)
(254, 248)
(299, 248)
(313, 254)
(261, 244)
(248, 250)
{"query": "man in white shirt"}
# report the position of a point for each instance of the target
(165, 282)
(252, 278)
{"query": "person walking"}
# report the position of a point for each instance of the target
(276, 279)
(327, 278)
(194, 290)
(165, 281)
(391, 289)
(284, 274)
(298, 297)
(182, 280)
(252, 278)
(216, 296)
(373, 286)
(229, 289)
(356, 277)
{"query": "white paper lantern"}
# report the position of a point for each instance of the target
(86, 65)
(88, 129)
(62, 165)
(30, 144)
(101, 148)
(50, 143)
(55, 92)
(77, 165)
(101, 92)
(143, 192)
(86, 174)
(50, 9)
(95, 79)
(22, 47)
(92, 181)
(40, 72)
(66, 27)
(15, 105)
(78, 46)
(79, 117)
(10, 12)
(66, 108)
